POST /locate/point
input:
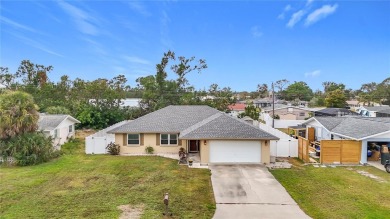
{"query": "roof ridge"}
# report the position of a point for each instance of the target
(201, 123)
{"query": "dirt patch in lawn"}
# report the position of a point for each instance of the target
(131, 212)
(369, 175)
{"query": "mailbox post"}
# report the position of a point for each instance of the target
(166, 202)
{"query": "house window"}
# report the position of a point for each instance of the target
(168, 139)
(301, 114)
(70, 128)
(55, 135)
(133, 139)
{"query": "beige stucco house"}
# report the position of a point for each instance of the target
(216, 136)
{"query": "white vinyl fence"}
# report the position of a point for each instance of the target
(285, 147)
(97, 143)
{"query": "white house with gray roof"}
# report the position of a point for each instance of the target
(60, 127)
(215, 136)
(365, 129)
(372, 111)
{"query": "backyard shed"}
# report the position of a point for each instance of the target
(97, 143)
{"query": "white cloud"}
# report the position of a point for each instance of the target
(320, 13)
(84, 21)
(165, 38)
(308, 2)
(313, 73)
(295, 18)
(136, 60)
(36, 44)
(255, 30)
(139, 7)
(286, 9)
(16, 25)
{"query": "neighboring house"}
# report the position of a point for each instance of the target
(59, 127)
(363, 129)
(354, 104)
(371, 111)
(264, 102)
(335, 112)
(216, 136)
(383, 113)
(236, 109)
(287, 112)
(128, 102)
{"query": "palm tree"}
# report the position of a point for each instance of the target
(18, 114)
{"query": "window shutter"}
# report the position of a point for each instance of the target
(124, 139)
(141, 136)
(179, 142)
(158, 139)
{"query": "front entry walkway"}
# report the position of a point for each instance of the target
(250, 191)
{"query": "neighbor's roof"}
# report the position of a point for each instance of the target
(237, 106)
(358, 128)
(194, 122)
(50, 122)
(168, 119)
(336, 111)
(284, 106)
(377, 108)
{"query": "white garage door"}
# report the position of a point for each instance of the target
(235, 151)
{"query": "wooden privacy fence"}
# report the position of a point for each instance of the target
(340, 151)
(303, 149)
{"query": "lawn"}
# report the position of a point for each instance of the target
(93, 186)
(339, 192)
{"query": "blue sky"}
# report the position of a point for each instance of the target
(244, 43)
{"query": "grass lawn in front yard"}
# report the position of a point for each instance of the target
(340, 192)
(93, 186)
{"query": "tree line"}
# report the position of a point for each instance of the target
(333, 94)
(97, 103)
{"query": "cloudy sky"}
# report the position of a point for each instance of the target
(244, 43)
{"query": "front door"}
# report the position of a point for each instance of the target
(194, 146)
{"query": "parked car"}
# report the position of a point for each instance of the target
(387, 166)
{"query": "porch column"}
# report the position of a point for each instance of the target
(363, 158)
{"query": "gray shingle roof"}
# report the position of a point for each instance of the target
(169, 119)
(222, 126)
(194, 122)
(377, 108)
(355, 127)
(330, 122)
(50, 122)
(335, 111)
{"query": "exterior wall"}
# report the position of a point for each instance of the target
(279, 123)
(320, 132)
(292, 111)
(204, 151)
(265, 152)
(289, 116)
(63, 133)
(149, 140)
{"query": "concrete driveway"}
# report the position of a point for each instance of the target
(250, 191)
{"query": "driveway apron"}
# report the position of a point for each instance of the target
(251, 191)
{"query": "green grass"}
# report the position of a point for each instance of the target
(92, 186)
(337, 192)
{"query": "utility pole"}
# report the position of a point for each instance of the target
(273, 106)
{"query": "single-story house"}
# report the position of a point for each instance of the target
(335, 112)
(59, 127)
(372, 111)
(365, 130)
(287, 112)
(236, 109)
(216, 136)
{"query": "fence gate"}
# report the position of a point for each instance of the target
(340, 151)
(303, 149)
